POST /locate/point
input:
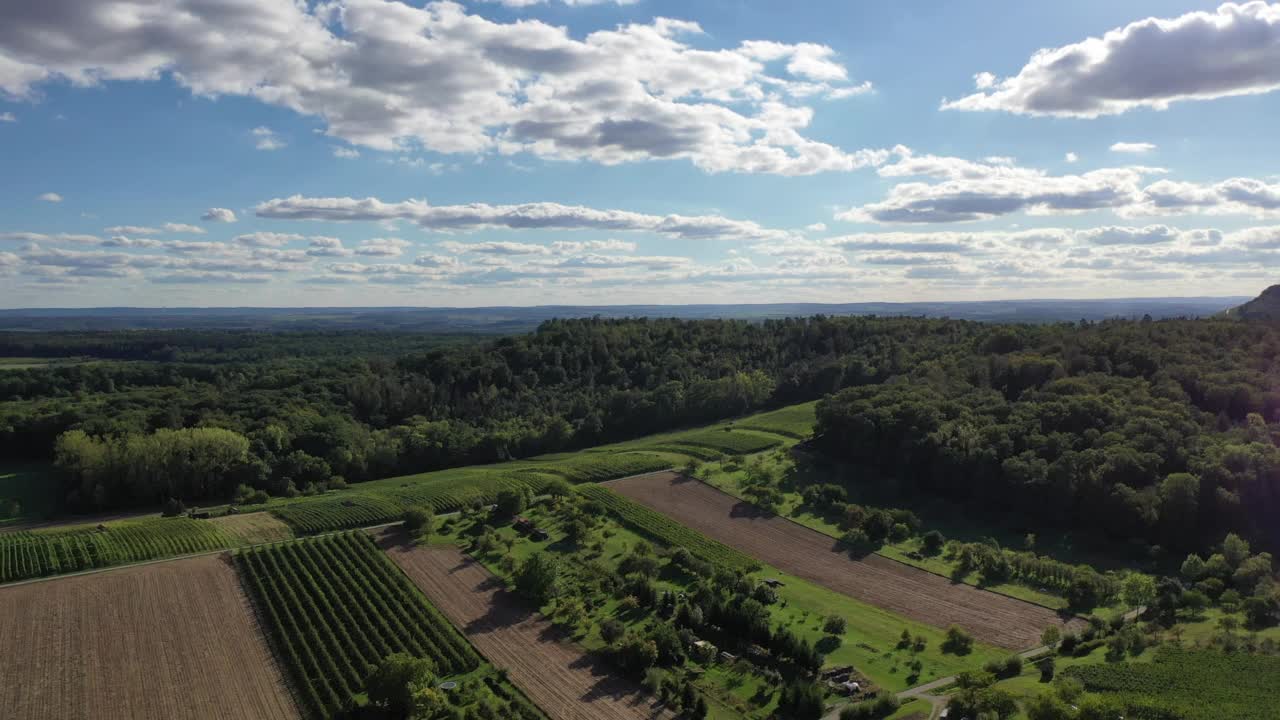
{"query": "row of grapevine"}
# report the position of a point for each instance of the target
(728, 441)
(795, 421)
(334, 606)
(665, 530)
(599, 466)
(25, 555)
(1190, 684)
(694, 451)
(362, 508)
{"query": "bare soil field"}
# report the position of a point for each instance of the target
(792, 548)
(559, 677)
(168, 640)
(254, 528)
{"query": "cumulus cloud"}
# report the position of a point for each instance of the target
(148, 230)
(266, 139)
(8, 117)
(346, 153)
(267, 239)
(51, 197)
(978, 192)
(1132, 148)
(323, 246)
(1234, 196)
(382, 247)
(1149, 63)
(1072, 158)
(33, 237)
(221, 215)
(392, 76)
(528, 216)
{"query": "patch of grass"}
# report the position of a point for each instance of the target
(793, 421)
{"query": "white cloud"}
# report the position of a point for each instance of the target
(816, 227)
(570, 3)
(147, 230)
(1150, 63)
(382, 247)
(322, 246)
(391, 76)
(266, 138)
(52, 197)
(973, 191)
(221, 215)
(528, 216)
(267, 239)
(1072, 158)
(1133, 148)
(33, 237)
(346, 153)
(8, 117)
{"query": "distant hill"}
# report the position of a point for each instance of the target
(1264, 307)
(506, 320)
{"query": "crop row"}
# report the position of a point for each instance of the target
(1192, 684)
(693, 451)
(796, 421)
(599, 466)
(361, 508)
(666, 531)
(335, 606)
(728, 441)
(25, 555)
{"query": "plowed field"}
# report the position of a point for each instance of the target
(910, 592)
(163, 641)
(566, 683)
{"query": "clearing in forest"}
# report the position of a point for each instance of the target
(564, 681)
(797, 550)
(169, 640)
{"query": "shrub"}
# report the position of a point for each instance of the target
(933, 542)
(958, 642)
(834, 625)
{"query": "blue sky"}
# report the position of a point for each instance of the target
(374, 152)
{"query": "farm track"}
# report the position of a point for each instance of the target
(173, 639)
(910, 592)
(565, 682)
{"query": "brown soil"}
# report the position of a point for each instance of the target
(559, 677)
(169, 640)
(907, 591)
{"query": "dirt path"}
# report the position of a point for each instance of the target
(994, 619)
(162, 641)
(562, 680)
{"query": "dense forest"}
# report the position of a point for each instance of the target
(1159, 431)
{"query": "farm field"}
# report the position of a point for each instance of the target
(252, 528)
(54, 551)
(334, 606)
(907, 591)
(559, 677)
(1190, 684)
(162, 641)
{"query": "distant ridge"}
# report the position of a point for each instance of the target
(504, 320)
(1264, 307)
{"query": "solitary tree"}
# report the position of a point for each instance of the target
(1051, 637)
(536, 579)
(418, 522)
(400, 683)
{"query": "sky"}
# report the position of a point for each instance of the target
(533, 152)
